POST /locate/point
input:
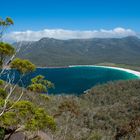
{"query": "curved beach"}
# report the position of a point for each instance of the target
(136, 73)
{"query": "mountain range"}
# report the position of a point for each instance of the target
(54, 52)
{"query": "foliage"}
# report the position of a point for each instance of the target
(2, 133)
(23, 66)
(44, 96)
(17, 114)
(4, 24)
(3, 93)
(39, 84)
(100, 112)
(68, 106)
(7, 22)
(27, 114)
(95, 136)
(1, 82)
(8, 119)
(37, 88)
(5, 51)
(41, 120)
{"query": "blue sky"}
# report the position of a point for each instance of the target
(72, 14)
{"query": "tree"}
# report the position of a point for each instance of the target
(15, 113)
(39, 84)
(6, 50)
(4, 24)
(23, 66)
(26, 116)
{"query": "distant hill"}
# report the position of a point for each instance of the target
(54, 52)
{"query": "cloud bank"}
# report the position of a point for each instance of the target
(69, 34)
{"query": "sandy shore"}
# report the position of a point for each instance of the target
(109, 67)
(117, 68)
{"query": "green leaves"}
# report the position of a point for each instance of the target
(2, 133)
(38, 79)
(4, 24)
(37, 88)
(3, 93)
(41, 120)
(41, 80)
(27, 114)
(39, 84)
(1, 82)
(23, 108)
(17, 113)
(8, 120)
(6, 50)
(7, 22)
(23, 66)
(1, 103)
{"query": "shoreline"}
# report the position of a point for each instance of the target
(136, 73)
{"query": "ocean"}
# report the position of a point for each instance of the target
(77, 79)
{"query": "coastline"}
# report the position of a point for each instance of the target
(136, 73)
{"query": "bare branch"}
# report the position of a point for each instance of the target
(12, 88)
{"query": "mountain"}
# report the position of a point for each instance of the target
(54, 52)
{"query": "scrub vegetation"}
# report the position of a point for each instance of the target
(106, 112)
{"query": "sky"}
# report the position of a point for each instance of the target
(71, 18)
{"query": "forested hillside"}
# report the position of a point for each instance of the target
(53, 52)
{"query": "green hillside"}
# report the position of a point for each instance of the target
(53, 52)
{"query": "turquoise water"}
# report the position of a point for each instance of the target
(75, 80)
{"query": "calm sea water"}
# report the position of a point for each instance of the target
(75, 80)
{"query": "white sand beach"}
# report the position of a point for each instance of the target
(110, 67)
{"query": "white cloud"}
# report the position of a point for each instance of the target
(68, 34)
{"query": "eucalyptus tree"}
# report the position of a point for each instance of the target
(39, 84)
(16, 113)
(6, 50)
(4, 24)
(19, 114)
